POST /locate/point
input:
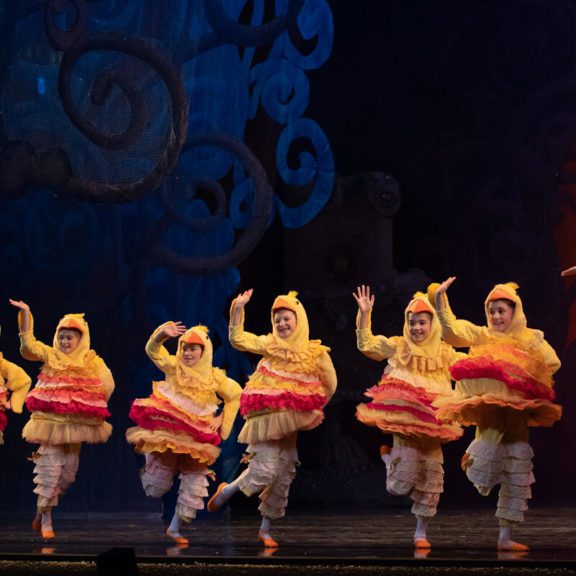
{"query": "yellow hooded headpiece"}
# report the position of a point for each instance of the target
(508, 292)
(74, 322)
(299, 339)
(202, 370)
(423, 303)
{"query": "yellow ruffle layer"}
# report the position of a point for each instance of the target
(57, 429)
(262, 381)
(467, 410)
(147, 441)
(277, 425)
(406, 424)
(512, 351)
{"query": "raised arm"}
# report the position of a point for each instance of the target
(155, 345)
(365, 303)
(30, 348)
(375, 347)
(241, 340)
(457, 333)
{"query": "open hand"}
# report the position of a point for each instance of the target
(174, 329)
(243, 298)
(445, 285)
(363, 298)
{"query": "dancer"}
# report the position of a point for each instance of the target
(14, 385)
(286, 394)
(177, 426)
(68, 406)
(503, 387)
(401, 403)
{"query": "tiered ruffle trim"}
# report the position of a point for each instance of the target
(277, 425)
(398, 407)
(57, 393)
(148, 441)
(45, 428)
(155, 414)
(271, 389)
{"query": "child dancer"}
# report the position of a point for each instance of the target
(177, 427)
(417, 374)
(287, 393)
(14, 385)
(503, 387)
(68, 406)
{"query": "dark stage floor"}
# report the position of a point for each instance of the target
(339, 543)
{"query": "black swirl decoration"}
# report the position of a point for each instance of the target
(227, 30)
(261, 211)
(75, 42)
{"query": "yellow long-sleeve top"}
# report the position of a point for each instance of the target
(512, 368)
(464, 334)
(430, 373)
(181, 413)
(417, 374)
(69, 401)
(292, 383)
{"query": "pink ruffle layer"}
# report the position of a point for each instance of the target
(151, 419)
(510, 374)
(420, 414)
(65, 407)
(251, 403)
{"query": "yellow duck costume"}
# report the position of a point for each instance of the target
(286, 394)
(14, 385)
(68, 406)
(401, 404)
(503, 386)
(177, 426)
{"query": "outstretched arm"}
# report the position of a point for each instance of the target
(569, 272)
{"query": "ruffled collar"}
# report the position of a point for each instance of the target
(405, 356)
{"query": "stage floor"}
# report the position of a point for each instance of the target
(359, 540)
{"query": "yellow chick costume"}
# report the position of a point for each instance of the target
(286, 394)
(503, 387)
(68, 406)
(177, 426)
(401, 404)
(14, 384)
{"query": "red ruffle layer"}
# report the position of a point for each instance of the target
(286, 401)
(150, 419)
(512, 375)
